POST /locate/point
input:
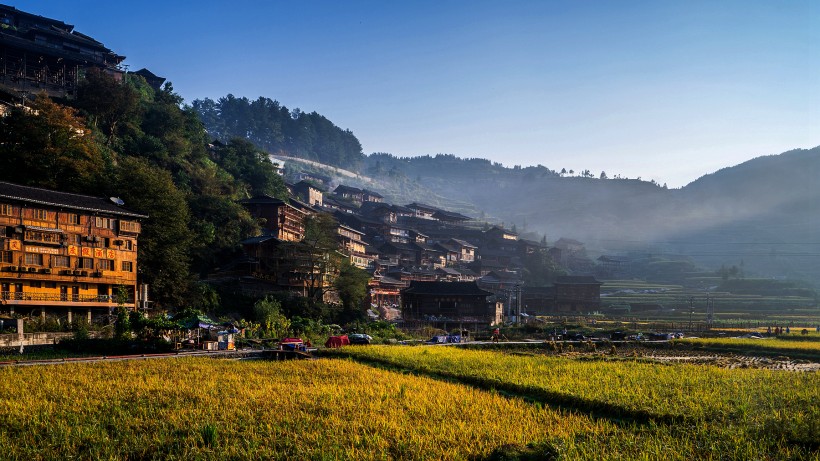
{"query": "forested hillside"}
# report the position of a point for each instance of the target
(278, 130)
(140, 144)
(763, 213)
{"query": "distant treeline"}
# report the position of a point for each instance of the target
(276, 129)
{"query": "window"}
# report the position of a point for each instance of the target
(105, 223)
(86, 263)
(73, 218)
(129, 226)
(106, 264)
(5, 209)
(129, 245)
(35, 284)
(5, 257)
(127, 266)
(61, 261)
(40, 214)
(51, 284)
(34, 259)
(43, 237)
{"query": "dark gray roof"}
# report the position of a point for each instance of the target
(262, 199)
(64, 200)
(445, 288)
(503, 276)
(258, 240)
(421, 206)
(576, 280)
(463, 243)
(448, 271)
(450, 215)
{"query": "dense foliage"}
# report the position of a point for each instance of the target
(143, 145)
(276, 129)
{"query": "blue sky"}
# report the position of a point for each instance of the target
(663, 90)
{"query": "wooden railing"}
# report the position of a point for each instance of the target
(29, 296)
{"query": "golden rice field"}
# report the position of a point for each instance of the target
(744, 404)
(807, 346)
(202, 408)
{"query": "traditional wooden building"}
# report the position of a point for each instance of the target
(458, 303)
(280, 218)
(467, 251)
(308, 193)
(39, 54)
(567, 295)
(351, 243)
(65, 253)
(577, 293)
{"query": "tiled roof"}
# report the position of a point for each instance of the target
(450, 215)
(463, 243)
(262, 199)
(576, 279)
(445, 288)
(45, 197)
(258, 240)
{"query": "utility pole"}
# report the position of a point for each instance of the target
(691, 310)
(710, 312)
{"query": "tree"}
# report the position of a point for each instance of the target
(318, 255)
(247, 163)
(351, 285)
(165, 240)
(268, 312)
(50, 146)
(122, 326)
(109, 103)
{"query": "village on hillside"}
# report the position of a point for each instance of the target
(427, 264)
(69, 255)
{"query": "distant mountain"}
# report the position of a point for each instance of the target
(763, 214)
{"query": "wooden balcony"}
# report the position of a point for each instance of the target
(65, 300)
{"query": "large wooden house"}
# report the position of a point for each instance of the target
(46, 55)
(65, 253)
(455, 303)
(279, 218)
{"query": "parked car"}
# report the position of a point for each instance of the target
(661, 336)
(617, 336)
(359, 338)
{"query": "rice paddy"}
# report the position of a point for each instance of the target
(454, 404)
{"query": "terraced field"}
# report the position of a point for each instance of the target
(625, 292)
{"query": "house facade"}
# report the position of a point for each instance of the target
(454, 302)
(280, 219)
(66, 254)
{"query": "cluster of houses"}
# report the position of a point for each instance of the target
(428, 265)
(68, 252)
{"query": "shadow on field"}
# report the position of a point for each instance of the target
(530, 452)
(556, 400)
